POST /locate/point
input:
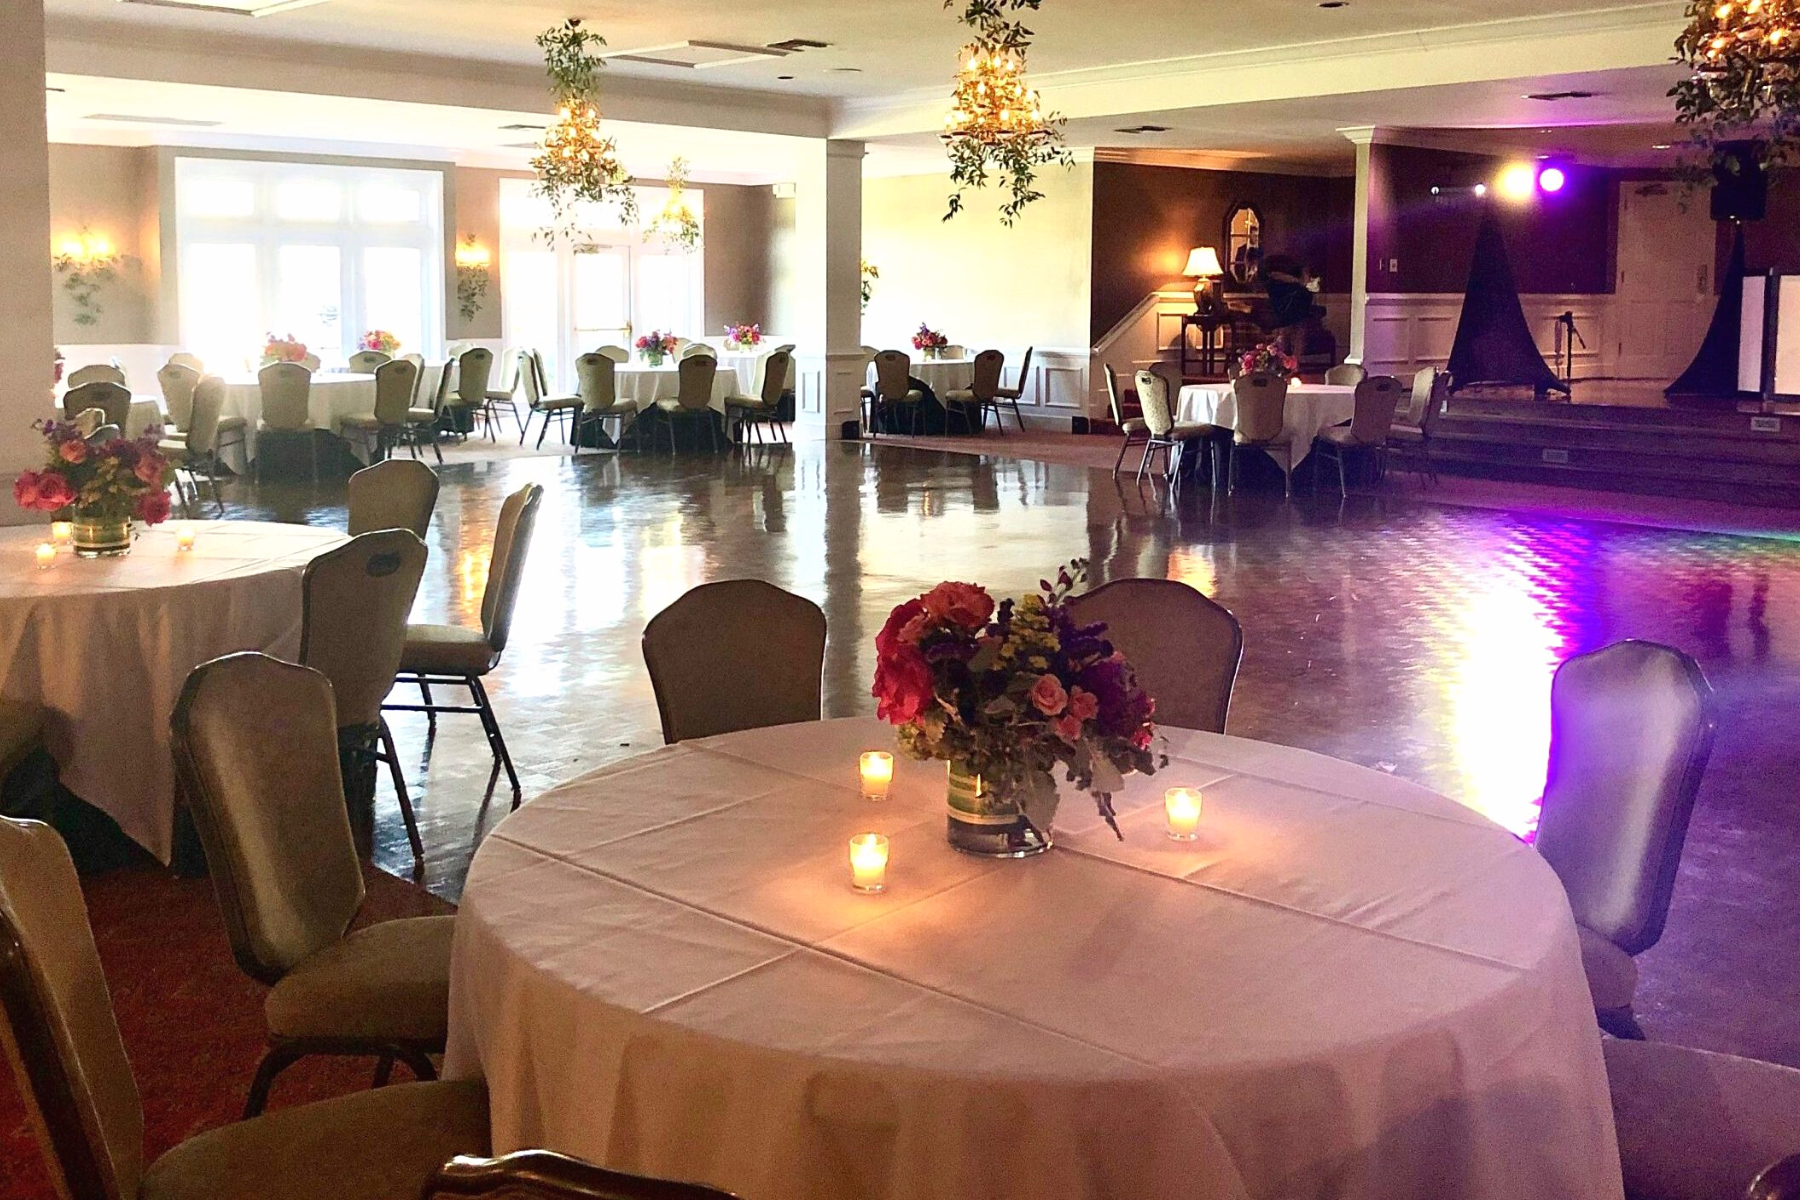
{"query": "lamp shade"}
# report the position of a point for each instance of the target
(1203, 263)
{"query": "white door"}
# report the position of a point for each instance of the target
(1664, 290)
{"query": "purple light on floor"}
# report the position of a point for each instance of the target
(1551, 179)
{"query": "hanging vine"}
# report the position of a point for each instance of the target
(577, 163)
(997, 128)
(1744, 85)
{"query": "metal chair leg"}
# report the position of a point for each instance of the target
(392, 754)
(276, 1060)
(492, 723)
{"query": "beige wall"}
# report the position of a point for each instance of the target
(109, 191)
(738, 225)
(25, 322)
(975, 280)
(472, 205)
(783, 276)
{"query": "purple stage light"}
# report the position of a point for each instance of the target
(1551, 179)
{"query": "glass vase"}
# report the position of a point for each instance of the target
(654, 360)
(980, 821)
(100, 537)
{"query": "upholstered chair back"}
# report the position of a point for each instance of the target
(694, 348)
(399, 493)
(183, 359)
(103, 394)
(989, 366)
(1424, 386)
(418, 362)
(256, 757)
(1261, 405)
(105, 433)
(286, 388)
(311, 362)
(203, 417)
(1377, 398)
(531, 374)
(96, 373)
(354, 601)
(1153, 398)
(788, 349)
(774, 369)
(395, 382)
(511, 366)
(506, 569)
(1184, 647)
(1346, 374)
(178, 382)
(618, 354)
(56, 1021)
(446, 370)
(1631, 729)
(1440, 399)
(697, 372)
(1025, 367)
(893, 374)
(472, 371)
(364, 362)
(739, 654)
(596, 381)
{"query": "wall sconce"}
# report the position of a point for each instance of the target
(471, 276)
(85, 262)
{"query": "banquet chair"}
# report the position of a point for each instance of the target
(1346, 374)
(618, 354)
(395, 382)
(286, 409)
(733, 655)
(1262, 425)
(764, 408)
(81, 1099)
(182, 358)
(1413, 430)
(693, 400)
(1015, 394)
(255, 747)
(418, 362)
(96, 373)
(693, 348)
(983, 392)
(867, 391)
(354, 601)
(103, 434)
(364, 362)
(1133, 430)
(1163, 432)
(397, 494)
(1631, 729)
(1695, 1125)
(109, 397)
(178, 382)
(539, 403)
(454, 655)
(197, 450)
(596, 379)
(543, 1175)
(512, 370)
(1377, 398)
(1779, 1182)
(424, 421)
(1184, 647)
(311, 362)
(894, 389)
(473, 367)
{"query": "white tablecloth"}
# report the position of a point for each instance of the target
(1311, 409)
(334, 395)
(1349, 987)
(105, 645)
(941, 375)
(639, 381)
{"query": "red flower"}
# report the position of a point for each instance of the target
(1048, 696)
(27, 490)
(150, 468)
(963, 604)
(1068, 728)
(153, 507)
(50, 492)
(892, 635)
(1141, 740)
(75, 450)
(903, 687)
(1083, 706)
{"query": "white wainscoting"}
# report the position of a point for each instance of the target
(1406, 332)
(826, 392)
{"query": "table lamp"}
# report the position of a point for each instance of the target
(1203, 266)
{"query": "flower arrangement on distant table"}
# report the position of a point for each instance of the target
(1006, 694)
(653, 346)
(103, 485)
(375, 339)
(1269, 358)
(743, 337)
(929, 341)
(283, 349)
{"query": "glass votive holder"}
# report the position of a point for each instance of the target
(184, 536)
(62, 533)
(46, 556)
(877, 769)
(1181, 806)
(868, 862)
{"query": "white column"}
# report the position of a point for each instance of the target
(1359, 243)
(26, 349)
(827, 276)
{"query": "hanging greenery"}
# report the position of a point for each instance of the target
(870, 273)
(676, 224)
(1744, 56)
(577, 163)
(996, 126)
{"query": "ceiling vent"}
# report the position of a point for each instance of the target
(520, 146)
(523, 127)
(1135, 130)
(1552, 97)
(797, 45)
(134, 119)
(697, 56)
(236, 8)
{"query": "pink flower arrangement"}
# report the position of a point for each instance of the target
(375, 339)
(283, 349)
(1014, 690)
(1270, 359)
(112, 481)
(929, 339)
(655, 344)
(743, 335)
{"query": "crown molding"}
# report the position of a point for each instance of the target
(1247, 162)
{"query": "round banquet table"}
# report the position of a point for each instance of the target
(333, 396)
(1348, 987)
(646, 384)
(1311, 409)
(941, 375)
(104, 645)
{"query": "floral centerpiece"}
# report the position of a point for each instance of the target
(57, 371)
(283, 349)
(743, 337)
(1006, 694)
(375, 339)
(929, 341)
(1270, 359)
(102, 486)
(654, 345)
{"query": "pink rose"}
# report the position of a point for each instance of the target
(153, 508)
(1067, 728)
(149, 468)
(1083, 706)
(75, 450)
(54, 492)
(962, 604)
(27, 489)
(1141, 740)
(1047, 695)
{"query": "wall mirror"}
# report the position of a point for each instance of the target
(1243, 243)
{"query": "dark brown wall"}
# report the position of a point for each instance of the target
(1146, 219)
(1773, 243)
(1558, 243)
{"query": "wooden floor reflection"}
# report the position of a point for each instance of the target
(1388, 630)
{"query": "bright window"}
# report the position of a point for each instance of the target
(322, 252)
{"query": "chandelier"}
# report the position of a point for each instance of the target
(676, 223)
(997, 125)
(992, 103)
(577, 163)
(1745, 83)
(1762, 30)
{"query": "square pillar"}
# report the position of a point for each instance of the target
(1363, 138)
(827, 278)
(26, 346)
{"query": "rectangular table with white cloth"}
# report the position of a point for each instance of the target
(1311, 409)
(333, 396)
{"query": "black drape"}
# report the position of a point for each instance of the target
(1714, 371)
(1493, 341)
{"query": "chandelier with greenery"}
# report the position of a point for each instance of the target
(1744, 56)
(997, 125)
(676, 224)
(577, 163)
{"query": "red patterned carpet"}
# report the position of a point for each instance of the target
(192, 1021)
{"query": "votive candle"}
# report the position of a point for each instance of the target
(46, 556)
(877, 773)
(868, 862)
(1182, 806)
(62, 532)
(184, 536)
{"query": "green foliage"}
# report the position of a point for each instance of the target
(1011, 161)
(1737, 95)
(572, 60)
